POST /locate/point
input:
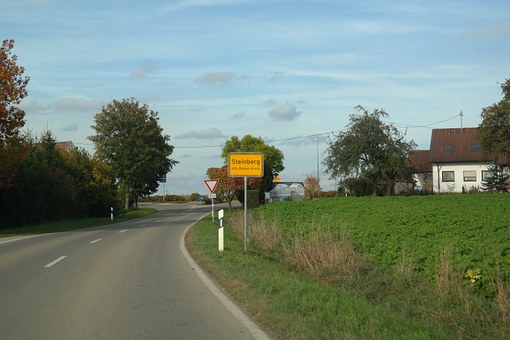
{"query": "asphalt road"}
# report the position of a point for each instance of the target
(129, 280)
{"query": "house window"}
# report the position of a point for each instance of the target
(447, 149)
(475, 148)
(469, 175)
(486, 175)
(448, 176)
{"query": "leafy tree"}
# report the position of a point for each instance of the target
(11, 155)
(273, 158)
(129, 138)
(494, 130)
(370, 149)
(12, 91)
(53, 183)
(42, 190)
(312, 187)
(94, 183)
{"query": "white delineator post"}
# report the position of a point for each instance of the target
(220, 232)
(111, 213)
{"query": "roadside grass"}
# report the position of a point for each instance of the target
(289, 302)
(439, 262)
(72, 224)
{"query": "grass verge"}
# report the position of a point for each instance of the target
(290, 304)
(66, 225)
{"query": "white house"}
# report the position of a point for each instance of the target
(454, 162)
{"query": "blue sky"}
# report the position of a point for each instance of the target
(281, 70)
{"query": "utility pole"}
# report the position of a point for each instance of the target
(317, 141)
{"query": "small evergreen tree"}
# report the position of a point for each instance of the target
(497, 180)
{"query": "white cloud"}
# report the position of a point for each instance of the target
(77, 105)
(270, 102)
(31, 105)
(216, 78)
(489, 32)
(61, 105)
(276, 76)
(141, 72)
(209, 133)
(70, 128)
(285, 112)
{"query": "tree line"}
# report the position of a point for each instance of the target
(42, 181)
(52, 183)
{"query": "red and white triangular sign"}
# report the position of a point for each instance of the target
(211, 184)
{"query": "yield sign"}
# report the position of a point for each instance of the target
(211, 184)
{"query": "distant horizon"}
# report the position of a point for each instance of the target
(290, 72)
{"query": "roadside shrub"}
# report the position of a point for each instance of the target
(253, 199)
(359, 186)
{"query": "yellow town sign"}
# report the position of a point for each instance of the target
(250, 164)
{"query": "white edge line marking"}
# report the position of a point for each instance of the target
(21, 238)
(51, 264)
(255, 330)
(99, 239)
(123, 231)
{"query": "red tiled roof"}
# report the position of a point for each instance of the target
(452, 145)
(455, 145)
(64, 145)
(420, 161)
(463, 145)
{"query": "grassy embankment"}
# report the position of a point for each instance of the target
(66, 225)
(394, 267)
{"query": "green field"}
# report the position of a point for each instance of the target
(473, 229)
(436, 265)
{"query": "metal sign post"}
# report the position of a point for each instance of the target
(245, 212)
(245, 164)
(212, 197)
(211, 184)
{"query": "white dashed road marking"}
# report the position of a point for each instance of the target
(51, 264)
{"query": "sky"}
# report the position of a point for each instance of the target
(289, 71)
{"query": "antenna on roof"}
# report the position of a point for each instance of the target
(461, 124)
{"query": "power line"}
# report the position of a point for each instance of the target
(428, 125)
(200, 147)
(272, 141)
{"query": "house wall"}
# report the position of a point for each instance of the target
(442, 182)
(423, 181)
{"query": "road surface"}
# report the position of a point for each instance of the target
(130, 280)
